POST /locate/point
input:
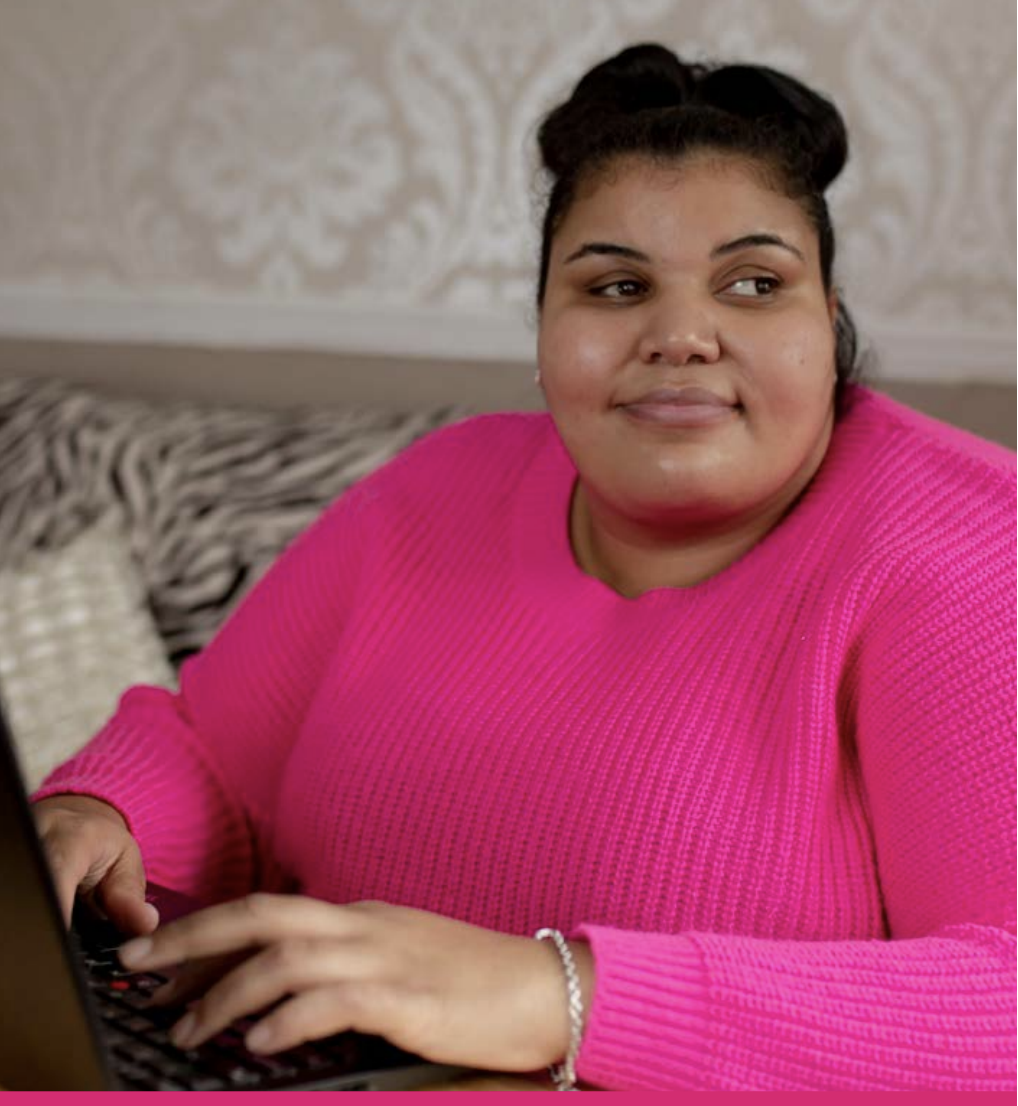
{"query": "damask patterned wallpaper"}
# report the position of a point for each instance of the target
(358, 174)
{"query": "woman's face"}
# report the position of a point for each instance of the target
(686, 344)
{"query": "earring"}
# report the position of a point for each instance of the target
(537, 378)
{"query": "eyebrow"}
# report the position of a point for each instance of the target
(600, 249)
(747, 241)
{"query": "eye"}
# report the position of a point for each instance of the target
(754, 287)
(624, 289)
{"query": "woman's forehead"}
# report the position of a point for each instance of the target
(705, 160)
(705, 197)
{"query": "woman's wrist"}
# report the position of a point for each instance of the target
(574, 988)
(83, 804)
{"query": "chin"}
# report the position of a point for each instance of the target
(689, 479)
(687, 506)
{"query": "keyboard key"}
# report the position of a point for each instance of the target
(207, 1083)
(275, 1068)
(165, 1083)
(136, 1023)
(241, 1076)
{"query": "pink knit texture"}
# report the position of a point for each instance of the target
(780, 804)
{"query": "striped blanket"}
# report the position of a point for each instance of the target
(207, 495)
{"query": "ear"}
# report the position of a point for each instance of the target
(832, 306)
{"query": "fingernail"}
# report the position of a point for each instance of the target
(153, 914)
(260, 1037)
(134, 952)
(183, 1031)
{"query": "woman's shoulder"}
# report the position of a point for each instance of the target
(473, 455)
(913, 452)
(502, 433)
(926, 498)
(501, 428)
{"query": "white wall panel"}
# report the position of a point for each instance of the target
(358, 175)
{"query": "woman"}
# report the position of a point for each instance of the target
(708, 671)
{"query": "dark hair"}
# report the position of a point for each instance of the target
(647, 103)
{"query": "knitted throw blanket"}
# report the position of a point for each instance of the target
(209, 494)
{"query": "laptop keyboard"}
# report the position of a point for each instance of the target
(137, 1035)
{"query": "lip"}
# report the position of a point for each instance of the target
(684, 406)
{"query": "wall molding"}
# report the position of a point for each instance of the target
(247, 322)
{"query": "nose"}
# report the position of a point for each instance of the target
(679, 334)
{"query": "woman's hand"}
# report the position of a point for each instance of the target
(91, 853)
(448, 991)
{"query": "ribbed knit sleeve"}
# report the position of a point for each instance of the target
(928, 701)
(197, 774)
(710, 1012)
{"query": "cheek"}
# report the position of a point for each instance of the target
(577, 360)
(796, 376)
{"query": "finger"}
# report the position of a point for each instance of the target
(194, 979)
(68, 870)
(320, 1012)
(285, 968)
(121, 893)
(247, 923)
(131, 914)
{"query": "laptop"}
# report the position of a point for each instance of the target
(71, 1018)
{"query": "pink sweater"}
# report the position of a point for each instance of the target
(779, 804)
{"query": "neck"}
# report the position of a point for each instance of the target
(633, 558)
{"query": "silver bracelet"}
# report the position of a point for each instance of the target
(564, 1075)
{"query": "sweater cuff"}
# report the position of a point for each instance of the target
(647, 1028)
(147, 764)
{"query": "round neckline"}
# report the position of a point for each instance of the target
(547, 565)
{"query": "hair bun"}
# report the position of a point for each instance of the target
(639, 78)
(649, 77)
(757, 92)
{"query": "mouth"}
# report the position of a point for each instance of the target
(689, 406)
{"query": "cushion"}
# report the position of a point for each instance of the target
(75, 632)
